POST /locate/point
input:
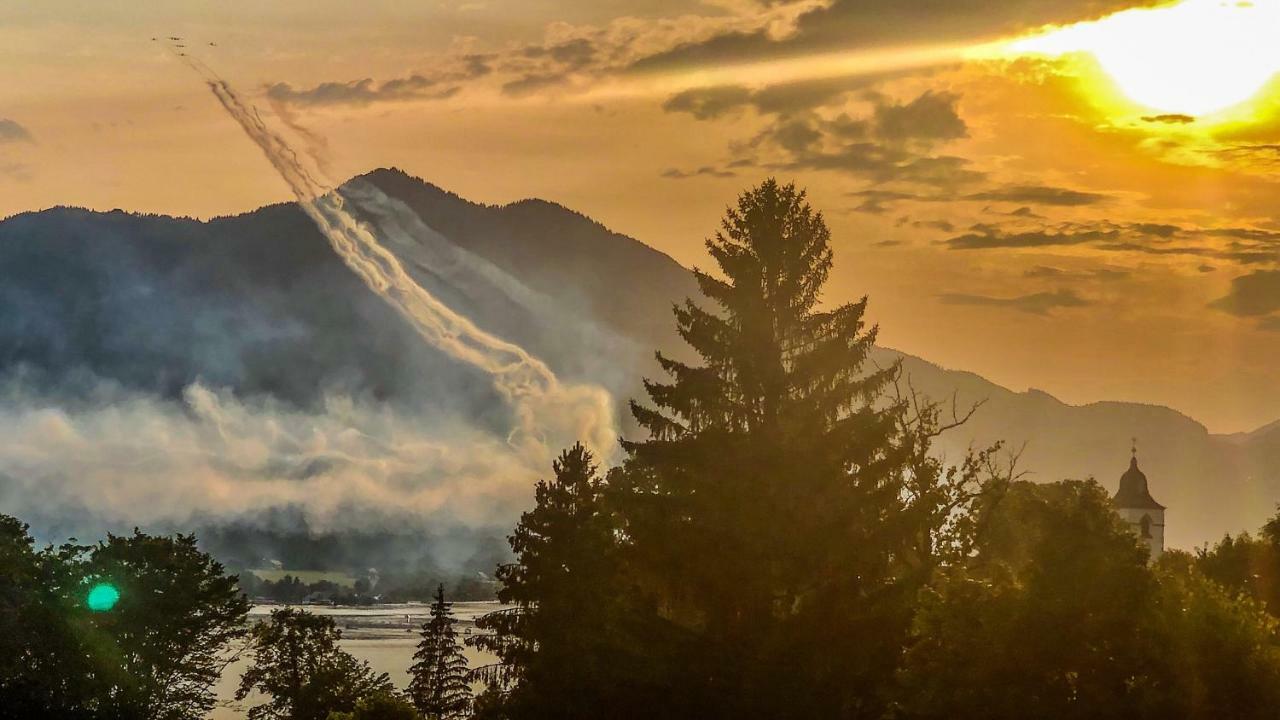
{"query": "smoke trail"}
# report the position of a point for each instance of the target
(428, 256)
(421, 245)
(545, 409)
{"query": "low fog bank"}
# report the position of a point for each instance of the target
(118, 458)
(234, 377)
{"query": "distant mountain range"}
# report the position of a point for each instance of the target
(259, 303)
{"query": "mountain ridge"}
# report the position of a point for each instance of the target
(259, 303)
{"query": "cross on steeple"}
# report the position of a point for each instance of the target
(1134, 449)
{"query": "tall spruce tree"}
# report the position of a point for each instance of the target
(561, 647)
(439, 687)
(768, 513)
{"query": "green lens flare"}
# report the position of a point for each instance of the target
(103, 597)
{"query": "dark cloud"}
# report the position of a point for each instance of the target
(867, 24)
(362, 92)
(1037, 304)
(533, 83)
(894, 143)
(1253, 234)
(988, 239)
(943, 225)
(575, 53)
(798, 136)
(780, 99)
(932, 116)
(1169, 119)
(893, 146)
(884, 163)
(417, 86)
(1247, 246)
(875, 201)
(475, 65)
(1045, 272)
(801, 95)
(1160, 230)
(733, 46)
(540, 67)
(1254, 153)
(1238, 256)
(704, 171)
(1039, 195)
(1252, 295)
(709, 103)
(11, 131)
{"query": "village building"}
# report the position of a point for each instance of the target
(1135, 505)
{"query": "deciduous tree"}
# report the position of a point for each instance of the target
(303, 672)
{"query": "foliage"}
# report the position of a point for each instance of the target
(177, 613)
(1247, 564)
(559, 647)
(440, 686)
(784, 501)
(758, 553)
(1058, 615)
(49, 666)
(1048, 620)
(396, 586)
(380, 706)
(300, 668)
(785, 542)
(156, 654)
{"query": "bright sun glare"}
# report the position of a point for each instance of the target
(1196, 57)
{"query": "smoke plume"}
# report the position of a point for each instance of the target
(546, 411)
(81, 452)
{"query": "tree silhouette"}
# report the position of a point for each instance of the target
(1059, 615)
(380, 706)
(303, 672)
(768, 512)
(178, 611)
(156, 653)
(561, 648)
(439, 687)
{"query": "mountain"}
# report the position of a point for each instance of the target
(259, 303)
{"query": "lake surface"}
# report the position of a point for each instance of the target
(383, 635)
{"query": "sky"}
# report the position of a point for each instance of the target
(1075, 196)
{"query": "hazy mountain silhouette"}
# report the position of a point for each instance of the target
(260, 304)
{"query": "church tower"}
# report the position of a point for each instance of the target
(1136, 506)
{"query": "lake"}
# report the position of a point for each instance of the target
(383, 635)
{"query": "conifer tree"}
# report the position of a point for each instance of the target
(767, 510)
(439, 687)
(562, 646)
(760, 552)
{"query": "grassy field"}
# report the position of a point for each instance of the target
(307, 576)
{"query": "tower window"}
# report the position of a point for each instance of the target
(1145, 525)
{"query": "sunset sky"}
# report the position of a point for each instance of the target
(1075, 196)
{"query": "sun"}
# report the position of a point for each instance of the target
(1196, 57)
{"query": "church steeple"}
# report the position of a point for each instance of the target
(1134, 503)
(1133, 492)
